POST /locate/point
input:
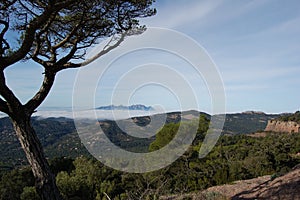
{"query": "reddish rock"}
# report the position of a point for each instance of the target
(281, 126)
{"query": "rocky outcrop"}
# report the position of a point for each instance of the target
(282, 126)
(269, 187)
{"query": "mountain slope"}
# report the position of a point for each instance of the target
(59, 136)
(53, 132)
(246, 122)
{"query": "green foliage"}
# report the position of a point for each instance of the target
(61, 164)
(59, 137)
(89, 180)
(168, 131)
(293, 117)
(29, 193)
(244, 123)
(233, 158)
(79, 183)
(164, 136)
(13, 182)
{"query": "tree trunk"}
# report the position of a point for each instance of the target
(45, 181)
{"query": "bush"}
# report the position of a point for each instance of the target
(29, 193)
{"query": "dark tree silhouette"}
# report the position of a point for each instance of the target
(55, 34)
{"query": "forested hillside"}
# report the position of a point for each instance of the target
(293, 117)
(233, 158)
(246, 122)
(59, 136)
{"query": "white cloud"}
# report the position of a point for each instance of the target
(90, 114)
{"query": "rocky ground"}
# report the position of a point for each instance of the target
(286, 187)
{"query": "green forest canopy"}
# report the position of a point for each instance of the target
(293, 117)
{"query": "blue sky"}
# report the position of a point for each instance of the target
(254, 44)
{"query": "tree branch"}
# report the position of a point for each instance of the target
(40, 61)
(12, 102)
(4, 46)
(34, 56)
(30, 33)
(50, 49)
(27, 42)
(69, 56)
(119, 20)
(27, 9)
(5, 29)
(104, 51)
(41, 95)
(68, 37)
(3, 106)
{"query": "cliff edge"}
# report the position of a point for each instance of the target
(285, 124)
(282, 126)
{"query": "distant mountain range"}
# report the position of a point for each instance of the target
(131, 107)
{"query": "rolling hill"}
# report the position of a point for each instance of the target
(59, 136)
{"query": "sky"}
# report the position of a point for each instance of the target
(253, 44)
